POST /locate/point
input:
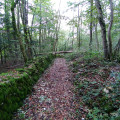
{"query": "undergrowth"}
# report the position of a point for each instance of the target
(96, 85)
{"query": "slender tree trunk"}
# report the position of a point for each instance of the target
(41, 37)
(35, 52)
(81, 29)
(91, 24)
(57, 29)
(1, 40)
(56, 40)
(110, 27)
(25, 27)
(40, 29)
(32, 22)
(78, 28)
(56, 33)
(48, 32)
(40, 41)
(117, 48)
(73, 30)
(103, 28)
(1, 58)
(45, 34)
(96, 37)
(7, 26)
(18, 28)
(16, 32)
(73, 37)
(18, 17)
(5, 54)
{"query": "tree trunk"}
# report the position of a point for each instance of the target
(7, 26)
(96, 37)
(78, 28)
(110, 27)
(25, 27)
(73, 30)
(18, 17)
(40, 41)
(1, 41)
(5, 54)
(1, 58)
(91, 24)
(40, 29)
(32, 22)
(117, 48)
(56, 40)
(103, 28)
(16, 32)
(56, 34)
(73, 37)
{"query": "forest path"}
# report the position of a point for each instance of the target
(52, 98)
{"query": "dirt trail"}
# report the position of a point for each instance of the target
(52, 98)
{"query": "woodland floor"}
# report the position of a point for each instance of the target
(52, 97)
(69, 94)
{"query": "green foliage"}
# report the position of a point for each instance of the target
(73, 56)
(102, 106)
(88, 56)
(102, 97)
(15, 90)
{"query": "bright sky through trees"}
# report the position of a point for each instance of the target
(64, 11)
(62, 6)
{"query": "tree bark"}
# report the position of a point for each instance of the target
(103, 28)
(91, 24)
(110, 27)
(25, 27)
(59, 52)
(16, 32)
(18, 17)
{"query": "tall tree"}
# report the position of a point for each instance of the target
(16, 32)
(78, 27)
(24, 16)
(40, 28)
(103, 28)
(91, 23)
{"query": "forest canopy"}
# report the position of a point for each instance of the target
(29, 28)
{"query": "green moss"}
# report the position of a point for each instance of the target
(13, 92)
(21, 70)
